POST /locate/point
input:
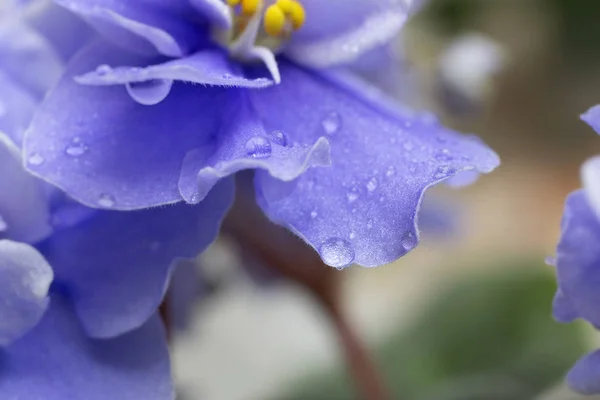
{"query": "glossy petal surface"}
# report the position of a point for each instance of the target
(363, 208)
(25, 277)
(116, 265)
(108, 145)
(56, 361)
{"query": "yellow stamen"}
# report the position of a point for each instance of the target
(249, 7)
(233, 3)
(274, 21)
(294, 11)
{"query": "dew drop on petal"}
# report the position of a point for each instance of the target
(313, 214)
(258, 147)
(372, 184)
(337, 252)
(443, 172)
(352, 197)
(35, 159)
(390, 171)
(444, 156)
(103, 69)
(149, 92)
(76, 148)
(352, 235)
(279, 137)
(332, 123)
(227, 76)
(106, 201)
(408, 241)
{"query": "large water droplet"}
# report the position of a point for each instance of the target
(106, 201)
(35, 159)
(372, 184)
(279, 137)
(258, 147)
(408, 241)
(103, 69)
(149, 92)
(337, 252)
(332, 123)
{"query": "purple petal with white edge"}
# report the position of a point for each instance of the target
(363, 208)
(23, 203)
(25, 278)
(244, 144)
(339, 31)
(57, 361)
(584, 377)
(592, 117)
(142, 26)
(116, 265)
(578, 260)
(210, 67)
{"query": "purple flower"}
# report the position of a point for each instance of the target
(578, 264)
(79, 287)
(336, 162)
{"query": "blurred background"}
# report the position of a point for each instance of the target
(467, 315)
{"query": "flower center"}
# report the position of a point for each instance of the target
(270, 22)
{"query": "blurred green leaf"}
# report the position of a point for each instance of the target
(489, 336)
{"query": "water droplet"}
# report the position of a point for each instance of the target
(352, 197)
(444, 156)
(390, 171)
(227, 76)
(103, 69)
(258, 147)
(76, 148)
(352, 235)
(279, 137)
(332, 123)
(372, 184)
(313, 214)
(35, 159)
(443, 172)
(408, 146)
(337, 252)
(408, 241)
(149, 92)
(106, 201)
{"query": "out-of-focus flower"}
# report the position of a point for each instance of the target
(578, 264)
(379, 158)
(79, 287)
(467, 68)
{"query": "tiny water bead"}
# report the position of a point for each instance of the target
(35, 159)
(76, 148)
(258, 147)
(443, 172)
(409, 241)
(279, 138)
(352, 197)
(391, 171)
(332, 123)
(103, 69)
(337, 252)
(106, 201)
(313, 214)
(149, 92)
(372, 184)
(444, 156)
